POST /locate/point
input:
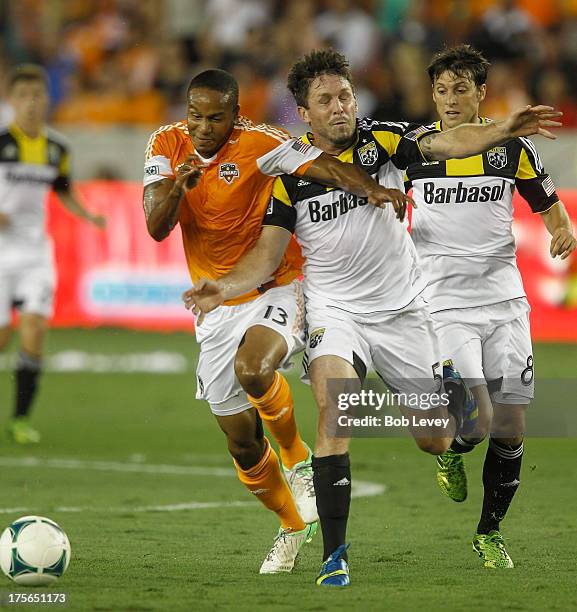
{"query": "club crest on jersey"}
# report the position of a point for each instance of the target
(368, 154)
(228, 171)
(317, 337)
(53, 154)
(10, 151)
(497, 157)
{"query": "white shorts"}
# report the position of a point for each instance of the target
(280, 308)
(491, 345)
(400, 346)
(30, 290)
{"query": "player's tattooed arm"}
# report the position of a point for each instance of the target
(559, 225)
(474, 138)
(252, 270)
(161, 203)
(162, 199)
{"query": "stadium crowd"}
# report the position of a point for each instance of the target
(129, 61)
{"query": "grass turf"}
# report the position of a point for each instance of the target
(410, 546)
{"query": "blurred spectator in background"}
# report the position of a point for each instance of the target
(127, 61)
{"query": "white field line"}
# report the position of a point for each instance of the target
(158, 362)
(114, 466)
(361, 488)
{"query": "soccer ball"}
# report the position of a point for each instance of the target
(34, 551)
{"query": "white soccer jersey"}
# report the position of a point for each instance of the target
(29, 168)
(462, 227)
(358, 258)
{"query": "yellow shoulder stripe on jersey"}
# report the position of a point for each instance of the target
(346, 156)
(388, 140)
(525, 169)
(465, 167)
(32, 150)
(280, 193)
(65, 165)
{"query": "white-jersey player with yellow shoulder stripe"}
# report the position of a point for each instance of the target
(462, 229)
(34, 159)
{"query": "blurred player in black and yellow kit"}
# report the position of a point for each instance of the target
(33, 160)
(462, 231)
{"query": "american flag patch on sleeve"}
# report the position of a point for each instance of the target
(548, 185)
(414, 134)
(301, 147)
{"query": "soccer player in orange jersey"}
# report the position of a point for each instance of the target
(213, 176)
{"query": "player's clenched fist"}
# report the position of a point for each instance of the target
(203, 297)
(188, 173)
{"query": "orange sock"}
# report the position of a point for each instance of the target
(266, 482)
(276, 408)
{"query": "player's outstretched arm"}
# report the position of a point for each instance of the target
(559, 225)
(161, 199)
(74, 205)
(252, 270)
(471, 139)
(329, 170)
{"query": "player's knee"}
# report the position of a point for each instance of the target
(247, 453)
(433, 446)
(254, 374)
(513, 441)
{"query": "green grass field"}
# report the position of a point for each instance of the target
(135, 470)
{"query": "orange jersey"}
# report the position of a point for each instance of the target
(221, 218)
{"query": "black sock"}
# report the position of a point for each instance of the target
(501, 473)
(332, 480)
(462, 445)
(28, 369)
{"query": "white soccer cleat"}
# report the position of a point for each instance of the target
(300, 482)
(285, 550)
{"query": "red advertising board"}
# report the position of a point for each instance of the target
(121, 276)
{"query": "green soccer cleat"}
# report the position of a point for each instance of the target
(451, 476)
(19, 430)
(491, 548)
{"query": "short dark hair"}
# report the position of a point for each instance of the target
(463, 61)
(27, 72)
(217, 80)
(313, 65)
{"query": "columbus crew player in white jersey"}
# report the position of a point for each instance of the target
(33, 160)
(362, 283)
(462, 231)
